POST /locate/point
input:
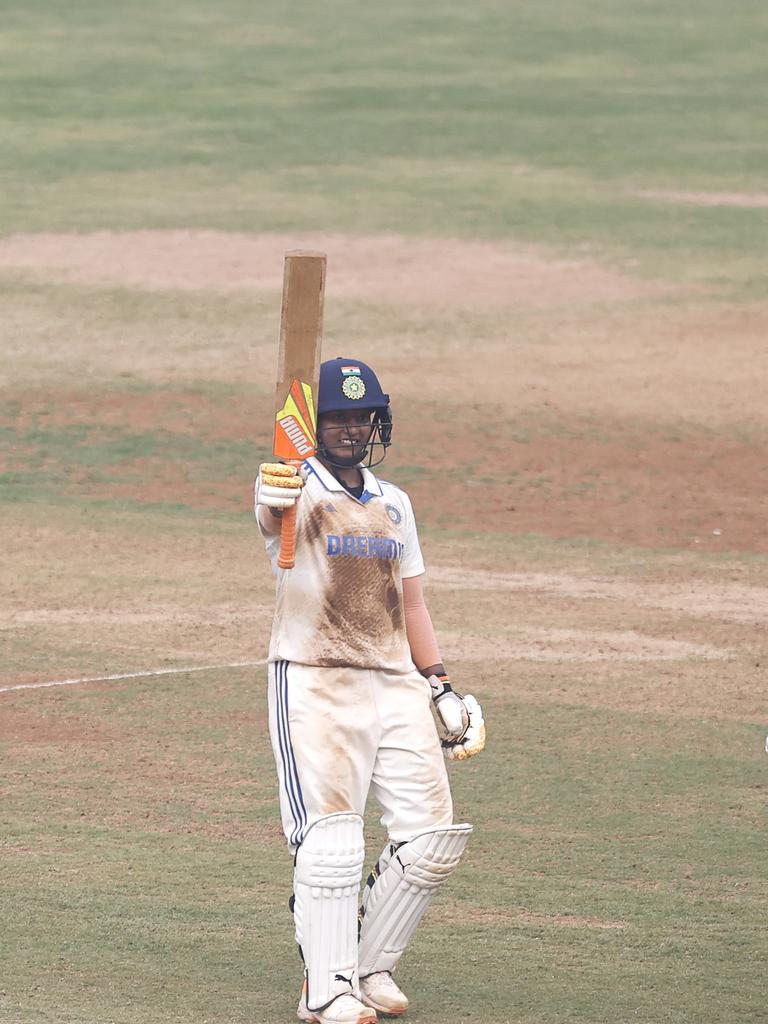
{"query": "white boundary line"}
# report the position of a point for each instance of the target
(133, 675)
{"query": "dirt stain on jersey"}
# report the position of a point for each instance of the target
(394, 606)
(313, 526)
(361, 611)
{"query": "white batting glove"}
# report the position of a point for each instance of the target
(473, 741)
(277, 486)
(459, 720)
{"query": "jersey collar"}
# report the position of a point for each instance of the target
(371, 486)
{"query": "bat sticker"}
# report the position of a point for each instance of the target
(295, 433)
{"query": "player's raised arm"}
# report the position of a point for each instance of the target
(459, 718)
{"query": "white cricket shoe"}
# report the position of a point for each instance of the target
(380, 991)
(343, 1010)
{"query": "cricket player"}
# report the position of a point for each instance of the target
(355, 674)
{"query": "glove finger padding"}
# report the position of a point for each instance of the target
(279, 469)
(278, 485)
(473, 741)
(276, 497)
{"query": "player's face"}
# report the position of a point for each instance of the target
(345, 435)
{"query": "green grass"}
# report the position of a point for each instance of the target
(103, 448)
(589, 87)
(495, 120)
(137, 856)
(77, 463)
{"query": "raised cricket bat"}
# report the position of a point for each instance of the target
(298, 374)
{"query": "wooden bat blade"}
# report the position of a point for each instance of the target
(298, 362)
(298, 373)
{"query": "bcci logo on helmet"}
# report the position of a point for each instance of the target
(353, 387)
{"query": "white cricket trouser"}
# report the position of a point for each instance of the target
(339, 732)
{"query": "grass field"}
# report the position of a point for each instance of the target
(546, 228)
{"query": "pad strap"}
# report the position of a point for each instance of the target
(399, 891)
(326, 887)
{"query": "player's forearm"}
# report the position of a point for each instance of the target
(420, 631)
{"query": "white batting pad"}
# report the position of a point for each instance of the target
(399, 891)
(326, 886)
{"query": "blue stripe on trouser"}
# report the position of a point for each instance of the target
(283, 740)
(290, 772)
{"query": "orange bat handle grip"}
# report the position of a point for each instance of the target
(287, 555)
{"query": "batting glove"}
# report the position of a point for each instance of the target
(277, 486)
(459, 720)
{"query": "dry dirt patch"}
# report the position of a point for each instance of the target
(208, 615)
(578, 645)
(385, 268)
(626, 486)
(744, 200)
(22, 726)
(731, 602)
(599, 473)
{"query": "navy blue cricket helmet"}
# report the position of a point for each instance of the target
(349, 385)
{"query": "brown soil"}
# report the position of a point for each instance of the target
(211, 615)
(22, 726)
(745, 200)
(627, 483)
(583, 645)
(605, 421)
(388, 268)
(728, 601)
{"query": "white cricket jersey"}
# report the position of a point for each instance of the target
(342, 602)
